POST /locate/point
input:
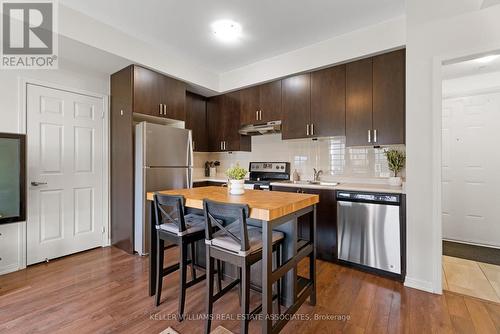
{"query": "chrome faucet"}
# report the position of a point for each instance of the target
(316, 174)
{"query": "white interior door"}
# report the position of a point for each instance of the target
(470, 169)
(65, 156)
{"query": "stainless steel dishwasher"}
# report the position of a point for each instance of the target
(368, 230)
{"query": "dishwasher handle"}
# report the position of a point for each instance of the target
(367, 197)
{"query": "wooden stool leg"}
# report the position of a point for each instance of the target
(193, 256)
(278, 282)
(183, 278)
(160, 245)
(210, 291)
(239, 285)
(219, 276)
(245, 298)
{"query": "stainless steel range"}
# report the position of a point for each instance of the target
(263, 173)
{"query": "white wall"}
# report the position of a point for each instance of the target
(13, 239)
(428, 37)
(70, 76)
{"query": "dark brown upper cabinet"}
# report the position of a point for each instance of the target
(359, 97)
(214, 123)
(389, 98)
(328, 102)
(196, 121)
(249, 107)
(146, 90)
(261, 104)
(158, 95)
(296, 93)
(174, 98)
(314, 104)
(223, 114)
(376, 100)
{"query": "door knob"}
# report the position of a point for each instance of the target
(36, 184)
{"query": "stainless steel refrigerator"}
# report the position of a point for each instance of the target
(163, 160)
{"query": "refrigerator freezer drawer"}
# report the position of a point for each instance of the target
(369, 234)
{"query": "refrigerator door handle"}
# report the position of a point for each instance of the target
(190, 161)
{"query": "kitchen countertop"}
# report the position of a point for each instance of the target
(264, 205)
(382, 188)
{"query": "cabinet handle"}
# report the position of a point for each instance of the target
(224, 145)
(375, 135)
(312, 129)
(257, 115)
(369, 136)
(260, 115)
(193, 145)
(307, 129)
(165, 110)
(161, 109)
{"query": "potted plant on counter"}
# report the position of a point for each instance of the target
(236, 176)
(396, 161)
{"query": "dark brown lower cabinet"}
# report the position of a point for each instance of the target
(208, 184)
(326, 221)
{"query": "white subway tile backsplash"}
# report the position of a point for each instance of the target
(328, 154)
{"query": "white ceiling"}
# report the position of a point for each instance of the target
(468, 67)
(270, 27)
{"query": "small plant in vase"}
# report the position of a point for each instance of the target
(236, 176)
(396, 161)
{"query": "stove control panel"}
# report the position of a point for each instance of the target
(272, 167)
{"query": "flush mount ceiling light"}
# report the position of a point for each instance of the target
(226, 30)
(487, 59)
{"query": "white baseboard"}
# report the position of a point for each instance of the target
(419, 284)
(10, 269)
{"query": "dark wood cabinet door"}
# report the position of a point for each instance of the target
(328, 101)
(326, 221)
(196, 121)
(249, 99)
(233, 141)
(296, 100)
(122, 160)
(147, 91)
(389, 98)
(174, 98)
(215, 125)
(270, 101)
(326, 224)
(359, 116)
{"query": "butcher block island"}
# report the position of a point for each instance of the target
(274, 210)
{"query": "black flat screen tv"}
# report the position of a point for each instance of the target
(12, 178)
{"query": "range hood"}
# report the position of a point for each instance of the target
(261, 129)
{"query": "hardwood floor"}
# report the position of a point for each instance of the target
(105, 291)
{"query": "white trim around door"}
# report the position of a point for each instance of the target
(23, 116)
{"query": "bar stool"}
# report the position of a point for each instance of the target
(183, 230)
(239, 244)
